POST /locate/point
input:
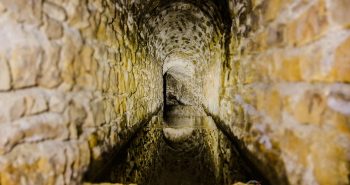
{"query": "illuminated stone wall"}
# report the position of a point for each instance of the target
(285, 91)
(79, 78)
(74, 85)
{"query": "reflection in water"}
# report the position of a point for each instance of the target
(184, 148)
(186, 156)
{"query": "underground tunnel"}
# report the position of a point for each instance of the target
(165, 92)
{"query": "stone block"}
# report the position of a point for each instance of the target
(49, 162)
(269, 102)
(312, 65)
(293, 65)
(57, 103)
(43, 127)
(25, 65)
(12, 107)
(341, 63)
(50, 74)
(310, 108)
(272, 9)
(276, 36)
(35, 104)
(339, 12)
(309, 26)
(54, 11)
(33, 129)
(86, 68)
(53, 28)
(5, 76)
(28, 11)
(287, 69)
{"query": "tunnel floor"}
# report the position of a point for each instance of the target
(185, 156)
(181, 147)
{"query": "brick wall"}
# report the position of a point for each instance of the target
(71, 78)
(285, 91)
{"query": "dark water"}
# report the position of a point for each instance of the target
(183, 148)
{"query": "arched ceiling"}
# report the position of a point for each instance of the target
(181, 31)
(183, 36)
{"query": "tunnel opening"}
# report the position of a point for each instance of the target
(179, 145)
(174, 92)
(182, 144)
(177, 91)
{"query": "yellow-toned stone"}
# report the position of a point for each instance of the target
(295, 146)
(340, 121)
(329, 160)
(35, 104)
(25, 65)
(121, 82)
(84, 68)
(54, 11)
(132, 83)
(339, 11)
(312, 67)
(310, 108)
(252, 72)
(266, 67)
(62, 50)
(20, 11)
(117, 104)
(2, 8)
(5, 75)
(274, 105)
(53, 28)
(66, 63)
(101, 32)
(92, 140)
(341, 63)
(289, 69)
(259, 42)
(308, 27)
(272, 9)
(86, 55)
(271, 103)
(49, 76)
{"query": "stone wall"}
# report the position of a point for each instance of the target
(179, 92)
(74, 85)
(79, 78)
(285, 91)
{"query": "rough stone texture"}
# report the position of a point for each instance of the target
(70, 81)
(178, 92)
(5, 78)
(284, 89)
(79, 78)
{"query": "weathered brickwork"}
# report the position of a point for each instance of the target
(285, 90)
(69, 81)
(79, 78)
